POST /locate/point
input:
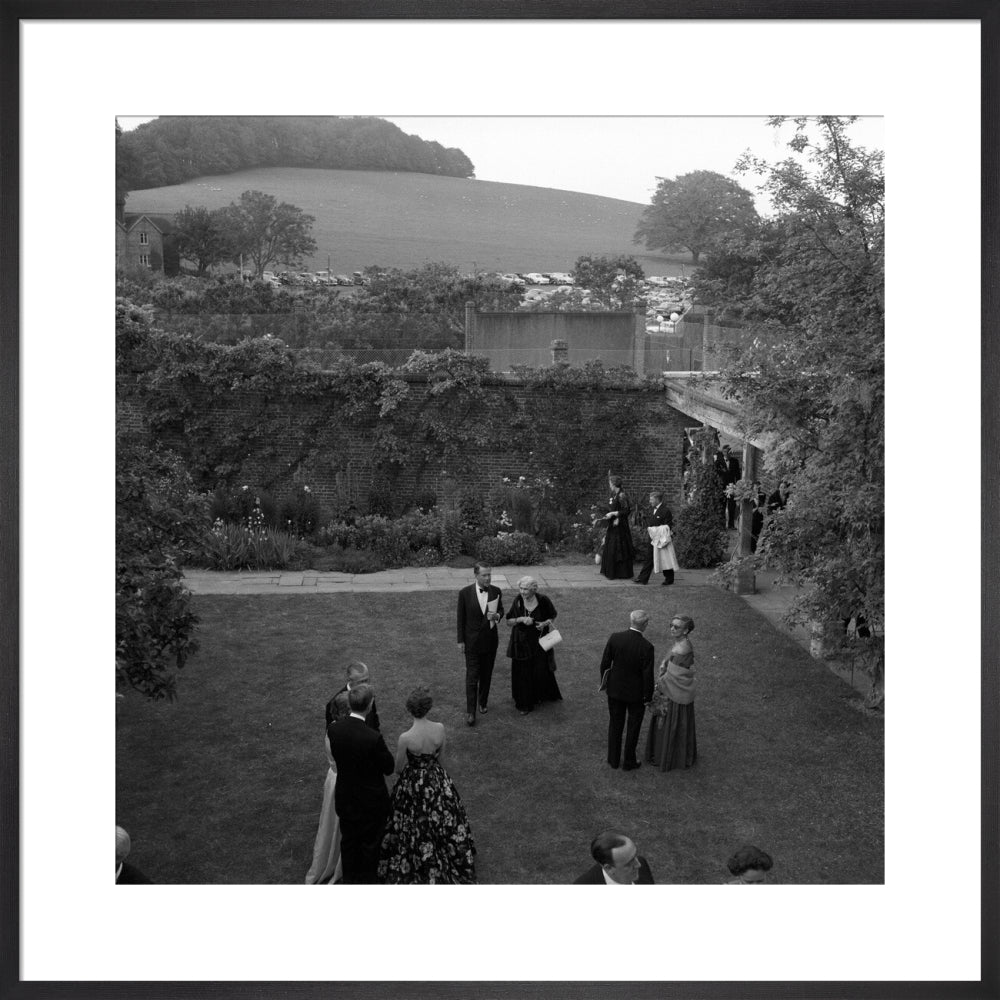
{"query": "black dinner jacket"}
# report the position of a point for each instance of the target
(131, 875)
(473, 629)
(595, 875)
(629, 656)
(662, 515)
(363, 760)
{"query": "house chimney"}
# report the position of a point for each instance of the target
(560, 352)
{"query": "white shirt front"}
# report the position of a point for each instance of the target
(483, 597)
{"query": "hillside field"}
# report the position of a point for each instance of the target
(405, 219)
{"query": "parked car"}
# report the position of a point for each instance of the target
(359, 278)
(534, 278)
(560, 278)
(343, 279)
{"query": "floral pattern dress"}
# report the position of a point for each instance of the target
(428, 839)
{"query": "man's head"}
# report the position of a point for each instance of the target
(360, 698)
(617, 855)
(357, 673)
(639, 620)
(726, 451)
(123, 845)
(656, 498)
(483, 573)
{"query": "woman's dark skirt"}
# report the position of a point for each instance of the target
(671, 742)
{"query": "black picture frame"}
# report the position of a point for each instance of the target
(986, 12)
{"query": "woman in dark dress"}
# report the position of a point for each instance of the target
(531, 668)
(671, 742)
(428, 840)
(618, 551)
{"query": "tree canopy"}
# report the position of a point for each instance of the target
(693, 212)
(809, 285)
(171, 150)
(200, 237)
(266, 231)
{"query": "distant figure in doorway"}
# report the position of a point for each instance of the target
(750, 865)
(671, 741)
(616, 862)
(618, 551)
(728, 466)
(659, 556)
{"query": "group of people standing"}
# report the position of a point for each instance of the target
(419, 833)
(618, 552)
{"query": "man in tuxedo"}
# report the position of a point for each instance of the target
(729, 470)
(661, 515)
(627, 678)
(357, 673)
(126, 874)
(477, 638)
(360, 797)
(617, 862)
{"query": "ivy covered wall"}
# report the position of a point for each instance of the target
(251, 413)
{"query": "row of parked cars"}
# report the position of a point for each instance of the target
(306, 278)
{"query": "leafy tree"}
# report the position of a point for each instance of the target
(613, 282)
(811, 283)
(125, 167)
(693, 212)
(200, 237)
(158, 519)
(266, 231)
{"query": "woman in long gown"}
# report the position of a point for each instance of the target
(428, 839)
(326, 868)
(618, 550)
(671, 742)
(532, 679)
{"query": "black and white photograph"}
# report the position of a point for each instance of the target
(356, 378)
(513, 491)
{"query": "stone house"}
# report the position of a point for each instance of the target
(143, 240)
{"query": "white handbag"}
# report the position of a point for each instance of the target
(550, 639)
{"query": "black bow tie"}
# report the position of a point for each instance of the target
(482, 591)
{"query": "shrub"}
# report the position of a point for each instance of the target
(517, 549)
(473, 510)
(236, 506)
(351, 561)
(429, 555)
(425, 500)
(451, 535)
(336, 533)
(253, 546)
(300, 512)
(381, 499)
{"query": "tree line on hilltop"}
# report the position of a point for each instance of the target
(172, 150)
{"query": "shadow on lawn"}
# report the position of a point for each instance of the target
(224, 785)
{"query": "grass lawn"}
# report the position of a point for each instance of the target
(225, 784)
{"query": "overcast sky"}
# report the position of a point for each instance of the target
(617, 157)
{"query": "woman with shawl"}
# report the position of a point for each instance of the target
(671, 743)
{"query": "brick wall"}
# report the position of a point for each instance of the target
(348, 472)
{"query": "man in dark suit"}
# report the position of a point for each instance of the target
(357, 673)
(126, 874)
(360, 797)
(729, 471)
(661, 515)
(477, 638)
(617, 862)
(627, 677)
